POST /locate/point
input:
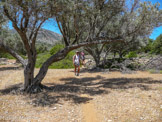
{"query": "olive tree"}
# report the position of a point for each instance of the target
(27, 18)
(134, 24)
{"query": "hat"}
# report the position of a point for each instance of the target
(77, 51)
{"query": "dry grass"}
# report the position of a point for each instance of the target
(114, 97)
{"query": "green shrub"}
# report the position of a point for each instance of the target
(65, 63)
(152, 71)
(42, 47)
(6, 55)
(62, 64)
(132, 54)
(157, 45)
(41, 58)
(56, 48)
(133, 66)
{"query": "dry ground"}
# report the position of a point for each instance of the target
(91, 97)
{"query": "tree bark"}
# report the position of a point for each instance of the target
(105, 56)
(97, 60)
(29, 70)
(29, 74)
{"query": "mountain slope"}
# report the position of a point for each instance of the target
(46, 36)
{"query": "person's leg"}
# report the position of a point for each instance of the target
(75, 69)
(78, 70)
(84, 63)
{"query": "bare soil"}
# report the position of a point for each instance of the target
(90, 97)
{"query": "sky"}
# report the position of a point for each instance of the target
(52, 26)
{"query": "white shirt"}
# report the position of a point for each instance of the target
(76, 59)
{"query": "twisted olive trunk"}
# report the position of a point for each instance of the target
(33, 84)
(28, 74)
(97, 60)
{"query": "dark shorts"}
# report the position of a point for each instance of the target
(83, 58)
(77, 64)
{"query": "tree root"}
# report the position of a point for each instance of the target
(35, 89)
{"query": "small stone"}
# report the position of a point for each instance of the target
(54, 108)
(141, 118)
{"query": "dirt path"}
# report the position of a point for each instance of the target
(89, 111)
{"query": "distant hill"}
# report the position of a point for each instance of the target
(49, 37)
(46, 36)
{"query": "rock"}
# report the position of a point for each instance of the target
(142, 118)
(3, 59)
(54, 108)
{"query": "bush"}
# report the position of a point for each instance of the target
(151, 71)
(6, 55)
(160, 71)
(41, 49)
(56, 48)
(41, 58)
(154, 71)
(131, 54)
(133, 66)
(157, 45)
(63, 64)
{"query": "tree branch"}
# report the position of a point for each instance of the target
(62, 54)
(63, 34)
(13, 53)
(22, 35)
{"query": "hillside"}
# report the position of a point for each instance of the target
(46, 36)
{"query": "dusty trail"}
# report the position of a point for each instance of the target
(89, 111)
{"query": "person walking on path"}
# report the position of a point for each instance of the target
(82, 56)
(76, 63)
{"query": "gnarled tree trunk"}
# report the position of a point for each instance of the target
(28, 74)
(97, 60)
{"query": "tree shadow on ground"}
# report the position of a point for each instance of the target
(111, 83)
(11, 89)
(72, 89)
(127, 83)
(10, 68)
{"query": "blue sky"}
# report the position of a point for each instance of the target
(51, 25)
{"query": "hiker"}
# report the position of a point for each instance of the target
(82, 56)
(76, 62)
